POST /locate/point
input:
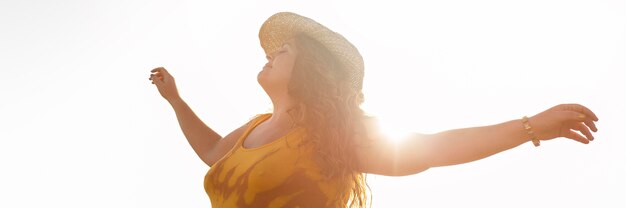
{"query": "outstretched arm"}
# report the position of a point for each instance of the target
(423, 151)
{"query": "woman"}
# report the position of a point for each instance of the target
(315, 147)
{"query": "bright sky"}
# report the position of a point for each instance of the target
(81, 125)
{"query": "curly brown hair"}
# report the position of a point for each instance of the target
(329, 109)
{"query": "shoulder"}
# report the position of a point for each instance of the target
(369, 130)
(227, 143)
(372, 147)
(251, 121)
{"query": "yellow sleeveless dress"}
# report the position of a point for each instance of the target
(277, 174)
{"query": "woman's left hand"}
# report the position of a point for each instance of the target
(563, 121)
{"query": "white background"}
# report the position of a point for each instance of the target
(81, 125)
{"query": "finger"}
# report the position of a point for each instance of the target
(154, 78)
(580, 117)
(156, 75)
(157, 69)
(160, 72)
(570, 115)
(165, 75)
(575, 136)
(164, 71)
(589, 113)
(591, 125)
(584, 130)
(582, 109)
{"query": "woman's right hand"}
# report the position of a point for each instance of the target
(165, 83)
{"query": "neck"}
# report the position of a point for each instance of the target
(280, 116)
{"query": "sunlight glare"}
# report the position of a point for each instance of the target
(394, 129)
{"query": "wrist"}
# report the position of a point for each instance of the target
(175, 101)
(530, 132)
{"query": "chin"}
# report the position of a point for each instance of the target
(262, 79)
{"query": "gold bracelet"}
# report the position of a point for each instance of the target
(530, 131)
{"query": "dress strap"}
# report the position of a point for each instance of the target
(255, 122)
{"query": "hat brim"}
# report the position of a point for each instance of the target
(281, 27)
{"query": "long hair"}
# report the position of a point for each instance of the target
(329, 108)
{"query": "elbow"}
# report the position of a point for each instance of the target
(409, 170)
(404, 168)
(411, 161)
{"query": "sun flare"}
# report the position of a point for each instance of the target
(394, 129)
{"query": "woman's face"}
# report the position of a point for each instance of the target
(277, 71)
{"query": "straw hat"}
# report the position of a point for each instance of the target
(280, 27)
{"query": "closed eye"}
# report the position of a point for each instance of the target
(277, 52)
(284, 48)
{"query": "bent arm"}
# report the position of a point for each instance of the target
(201, 138)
